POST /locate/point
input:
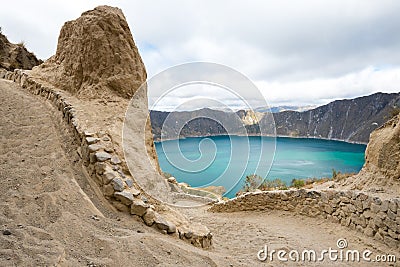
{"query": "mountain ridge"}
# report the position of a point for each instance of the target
(350, 120)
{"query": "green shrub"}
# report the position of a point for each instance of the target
(341, 176)
(273, 185)
(252, 182)
(297, 183)
(335, 174)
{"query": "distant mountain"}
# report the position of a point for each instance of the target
(277, 109)
(349, 120)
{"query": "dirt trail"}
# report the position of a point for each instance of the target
(48, 205)
(56, 218)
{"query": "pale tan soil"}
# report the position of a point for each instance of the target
(48, 204)
(380, 174)
(242, 234)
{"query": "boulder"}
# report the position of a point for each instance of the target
(94, 147)
(172, 180)
(91, 140)
(118, 184)
(125, 197)
(108, 190)
(109, 175)
(164, 225)
(102, 156)
(138, 207)
(149, 217)
(115, 160)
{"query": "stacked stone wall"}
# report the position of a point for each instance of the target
(369, 215)
(105, 167)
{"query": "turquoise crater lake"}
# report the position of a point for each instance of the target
(294, 158)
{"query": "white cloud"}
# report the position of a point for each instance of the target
(306, 51)
(322, 91)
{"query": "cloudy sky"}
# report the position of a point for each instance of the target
(296, 52)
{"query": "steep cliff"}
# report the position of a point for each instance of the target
(349, 120)
(16, 56)
(96, 55)
(381, 171)
(202, 122)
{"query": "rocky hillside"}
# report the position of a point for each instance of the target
(201, 122)
(381, 171)
(350, 120)
(16, 56)
(96, 55)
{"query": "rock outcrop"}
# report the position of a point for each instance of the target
(381, 171)
(383, 150)
(96, 55)
(16, 56)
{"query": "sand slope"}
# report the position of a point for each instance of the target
(50, 208)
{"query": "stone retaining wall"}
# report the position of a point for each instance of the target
(369, 215)
(105, 167)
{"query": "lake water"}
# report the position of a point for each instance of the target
(227, 160)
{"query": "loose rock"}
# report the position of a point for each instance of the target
(118, 184)
(149, 217)
(129, 182)
(102, 156)
(91, 140)
(6, 232)
(138, 207)
(108, 176)
(164, 225)
(94, 147)
(125, 197)
(115, 160)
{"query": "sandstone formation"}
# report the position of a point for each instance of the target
(97, 58)
(381, 171)
(96, 68)
(383, 151)
(16, 56)
(95, 55)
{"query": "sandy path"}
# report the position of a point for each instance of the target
(49, 215)
(48, 205)
(242, 234)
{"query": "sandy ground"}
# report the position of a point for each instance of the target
(56, 217)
